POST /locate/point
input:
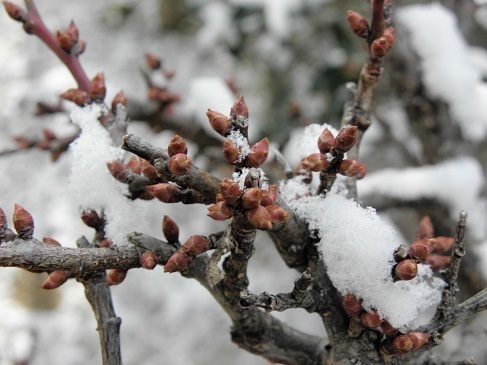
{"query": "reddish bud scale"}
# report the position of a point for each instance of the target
(134, 165)
(79, 48)
(425, 229)
(51, 241)
(388, 330)
(79, 97)
(49, 135)
(371, 320)
(166, 193)
(419, 339)
(358, 24)
(219, 122)
(179, 164)
(315, 162)
(178, 262)
(97, 88)
(170, 229)
(351, 305)
(326, 141)
(23, 222)
(379, 47)
(231, 152)
(116, 277)
(258, 154)
(352, 168)
(148, 260)
(106, 243)
(406, 270)
(65, 41)
(240, 108)
(56, 279)
(148, 170)
(153, 62)
(259, 218)
(269, 197)
(251, 198)
(419, 250)
(219, 198)
(443, 244)
(91, 218)
(177, 145)
(402, 345)
(196, 245)
(389, 35)
(230, 191)
(221, 211)
(15, 12)
(118, 99)
(72, 30)
(437, 262)
(346, 138)
(120, 171)
(278, 215)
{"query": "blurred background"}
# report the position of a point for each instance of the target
(291, 60)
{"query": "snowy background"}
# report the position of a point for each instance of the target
(290, 59)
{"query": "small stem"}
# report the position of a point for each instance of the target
(378, 22)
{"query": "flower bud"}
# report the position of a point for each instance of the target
(437, 262)
(118, 99)
(120, 171)
(177, 145)
(219, 122)
(278, 215)
(106, 243)
(97, 88)
(79, 97)
(23, 222)
(379, 47)
(65, 41)
(371, 320)
(72, 30)
(351, 305)
(170, 230)
(420, 250)
(221, 211)
(352, 168)
(134, 165)
(258, 153)
(153, 62)
(388, 330)
(3, 224)
(402, 345)
(425, 229)
(315, 162)
(443, 244)
(231, 152)
(166, 193)
(51, 241)
(15, 11)
(358, 24)
(259, 218)
(326, 141)
(269, 197)
(91, 218)
(116, 276)
(240, 108)
(196, 245)
(230, 191)
(389, 35)
(346, 138)
(179, 164)
(148, 260)
(251, 198)
(56, 279)
(419, 339)
(178, 262)
(148, 170)
(406, 270)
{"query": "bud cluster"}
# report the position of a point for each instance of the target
(69, 41)
(179, 163)
(403, 344)
(50, 142)
(96, 93)
(382, 45)
(157, 78)
(181, 259)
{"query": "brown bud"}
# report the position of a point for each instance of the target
(420, 250)
(315, 162)
(221, 211)
(178, 262)
(379, 47)
(23, 222)
(56, 279)
(106, 243)
(389, 35)
(419, 339)
(166, 193)
(120, 171)
(148, 260)
(443, 244)
(278, 215)
(258, 153)
(72, 30)
(118, 99)
(259, 218)
(196, 245)
(170, 229)
(219, 122)
(153, 62)
(425, 229)
(51, 241)
(437, 262)
(116, 276)
(148, 170)
(402, 345)
(179, 164)
(251, 198)
(239, 108)
(231, 152)
(79, 97)
(406, 270)
(351, 305)
(230, 191)
(134, 165)
(269, 197)
(388, 330)
(371, 320)
(352, 168)
(177, 145)
(3, 224)
(358, 24)
(326, 141)
(346, 138)
(15, 11)
(97, 88)
(91, 218)
(65, 41)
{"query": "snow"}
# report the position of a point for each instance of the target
(357, 248)
(90, 182)
(448, 71)
(241, 142)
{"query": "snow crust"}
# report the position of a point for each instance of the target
(90, 182)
